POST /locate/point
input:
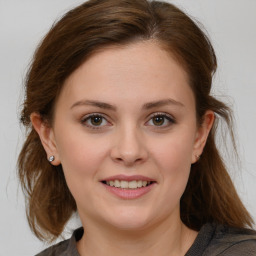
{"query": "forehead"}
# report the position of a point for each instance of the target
(139, 70)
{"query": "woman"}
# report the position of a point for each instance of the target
(121, 128)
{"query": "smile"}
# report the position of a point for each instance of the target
(124, 184)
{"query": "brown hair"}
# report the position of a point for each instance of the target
(210, 195)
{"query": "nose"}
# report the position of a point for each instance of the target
(129, 147)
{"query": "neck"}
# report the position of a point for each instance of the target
(162, 239)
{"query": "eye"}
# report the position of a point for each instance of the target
(161, 120)
(94, 121)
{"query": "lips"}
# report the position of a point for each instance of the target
(128, 178)
(128, 187)
(134, 184)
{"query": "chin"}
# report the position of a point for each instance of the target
(130, 220)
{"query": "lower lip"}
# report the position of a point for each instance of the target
(129, 193)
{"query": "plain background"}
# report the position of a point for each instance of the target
(231, 25)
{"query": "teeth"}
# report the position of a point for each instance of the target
(132, 184)
(124, 184)
(128, 184)
(144, 183)
(117, 184)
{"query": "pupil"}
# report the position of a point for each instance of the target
(96, 120)
(158, 120)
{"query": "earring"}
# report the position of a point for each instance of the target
(51, 158)
(197, 157)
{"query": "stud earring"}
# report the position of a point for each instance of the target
(51, 159)
(197, 157)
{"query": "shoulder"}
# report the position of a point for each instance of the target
(57, 249)
(227, 241)
(64, 248)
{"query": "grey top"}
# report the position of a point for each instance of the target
(212, 240)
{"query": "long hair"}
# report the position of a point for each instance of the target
(210, 195)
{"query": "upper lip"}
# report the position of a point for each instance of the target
(128, 178)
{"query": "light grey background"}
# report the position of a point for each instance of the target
(231, 25)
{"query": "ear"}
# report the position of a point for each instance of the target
(47, 137)
(202, 135)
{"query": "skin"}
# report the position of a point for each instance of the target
(128, 141)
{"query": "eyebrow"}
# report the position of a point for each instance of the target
(108, 106)
(94, 103)
(161, 103)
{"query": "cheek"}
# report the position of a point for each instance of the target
(81, 156)
(174, 169)
(173, 158)
(174, 166)
(173, 153)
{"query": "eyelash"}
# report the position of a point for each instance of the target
(167, 118)
(89, 117)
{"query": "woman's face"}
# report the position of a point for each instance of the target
(126, 117)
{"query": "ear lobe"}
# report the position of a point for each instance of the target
(47, 137)
(202, 134)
